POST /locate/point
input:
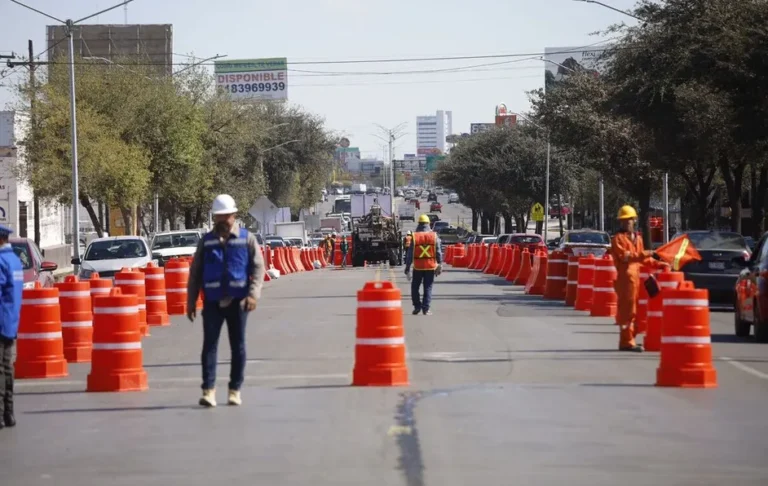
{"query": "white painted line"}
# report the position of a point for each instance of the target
(745, 368)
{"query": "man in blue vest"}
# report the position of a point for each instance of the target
(11, 285)
(229, 268)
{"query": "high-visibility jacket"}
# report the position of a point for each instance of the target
(11, 285)
(408, 241)
(424, 250)
(225, 266)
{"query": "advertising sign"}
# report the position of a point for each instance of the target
(506, 120)
(564, 61)
(433, 161)
(429, 151)
(480, 127)
(261, 79)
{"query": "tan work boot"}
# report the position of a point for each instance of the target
(208, 399)
(234, 398)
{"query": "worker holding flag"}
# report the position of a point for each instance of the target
(628, 255)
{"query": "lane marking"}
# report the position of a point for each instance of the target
(399, 430)
(745, 368)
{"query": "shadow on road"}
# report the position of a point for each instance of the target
(312, 387)
(730, 338)
(60, 392)
(155, 408)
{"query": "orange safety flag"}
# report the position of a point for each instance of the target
(679, 252)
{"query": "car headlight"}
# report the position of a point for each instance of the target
(85, 273)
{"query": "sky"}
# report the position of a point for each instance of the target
(351, 103)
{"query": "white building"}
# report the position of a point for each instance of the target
(16, 202)
(431, 132)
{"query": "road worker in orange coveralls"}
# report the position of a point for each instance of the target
(628, 255)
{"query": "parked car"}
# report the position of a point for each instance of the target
(107, 256)
(751, 293)
(723, 257)
(526, 240)
(432, 219)
(275, 242)
(36, 268)
(436, 207)
(175, 244)
(583, 242)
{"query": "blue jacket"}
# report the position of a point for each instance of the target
(423, 228)
(11, 287)
(226, 267)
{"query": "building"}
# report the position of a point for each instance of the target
(17, 209)
(345, 155)
(431, 132)
(150, 43)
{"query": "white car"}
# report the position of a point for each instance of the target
(171, 244)
(108, 256)
(453, 198)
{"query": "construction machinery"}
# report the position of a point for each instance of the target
(376, 238)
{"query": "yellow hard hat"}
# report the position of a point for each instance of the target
(424, 219)
(627, 212)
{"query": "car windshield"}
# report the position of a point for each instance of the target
(717, 241)
(275, 243)
(445, 230)
(175, 240)
(115, 250)
(22, 251)
(592, 238)
(527, 239)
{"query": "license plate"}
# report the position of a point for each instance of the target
(717, 265)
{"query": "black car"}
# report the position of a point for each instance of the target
(722, 256)
(432, 197)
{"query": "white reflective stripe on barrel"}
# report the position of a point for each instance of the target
(644, 275)
(573, 264)
(77, 324)
(685, 340)
(154, 276)
(131, 309)
(379, 341)
(40, 335)
(129, 282)
(48, 301)
(686, 302)
(557, 278)
(142, 306)
(184, 290)
(572, 282)
(558, 261)
(75, 293)
(116, 346)
(587, 267)
(605, 269)
(586, 286)
(655, 314)
(155, 297)
(669, 285)
(642, 301)
(379, 304)
(177, 270)
(604, 289)
(104, 290)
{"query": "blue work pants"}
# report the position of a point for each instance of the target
(214, 317)
(428, 278)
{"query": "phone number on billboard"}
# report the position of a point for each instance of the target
(253, 87)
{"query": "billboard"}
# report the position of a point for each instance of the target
(260, 79)
(480, 127)
(429, 151)
(563, 61)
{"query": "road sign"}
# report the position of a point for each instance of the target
(537, 212)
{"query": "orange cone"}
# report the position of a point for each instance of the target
(132, 282)
(99, 286)
(380, 344)
(117, 363)
(686, 345)
(76, 318)
(157, 305)
(40, 346)
(176, 279)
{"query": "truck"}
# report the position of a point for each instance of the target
(335, 223)
(360, 204)
(406, 211)
(292, 230)
(376, 238)
(358, 189)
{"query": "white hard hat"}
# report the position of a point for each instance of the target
(223, 204)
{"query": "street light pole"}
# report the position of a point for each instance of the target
(546, 191)
(75, 185)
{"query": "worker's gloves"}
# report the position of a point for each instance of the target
(655, 256)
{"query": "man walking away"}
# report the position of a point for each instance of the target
(425, 255)
(11, 286)
(344, 248)
(229, 267)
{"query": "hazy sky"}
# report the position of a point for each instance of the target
(329, 30)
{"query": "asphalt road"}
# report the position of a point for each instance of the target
(505, 389)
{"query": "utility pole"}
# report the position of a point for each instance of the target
(32, 95)
(392, 135)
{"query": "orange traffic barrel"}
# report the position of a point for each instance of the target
(99, 286)
(131, 281)
(448, 258)
(557, 276)
(482, 257)
(504, 258)
(538, 278)
(199, 301)
(525, 268)
(686, 344)
(572, 282)
(514, 267)
(76, 318)
(380, 338)
(176, 279)
(493, 259)
(667, 280)
(157, 305)
(39, 345)
(585, 283)
(641, 318)
(118, 362)
(604, 298)
(460, 256)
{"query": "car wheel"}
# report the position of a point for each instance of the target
(741, 327)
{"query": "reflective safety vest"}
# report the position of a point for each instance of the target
(225, 266)
(13, 283)
(408, 240)
(424, 249)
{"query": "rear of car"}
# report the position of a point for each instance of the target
(585, 242)
(436, 207)
(721, 255)
(175, 244)
(525, 240)
(34, 267)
